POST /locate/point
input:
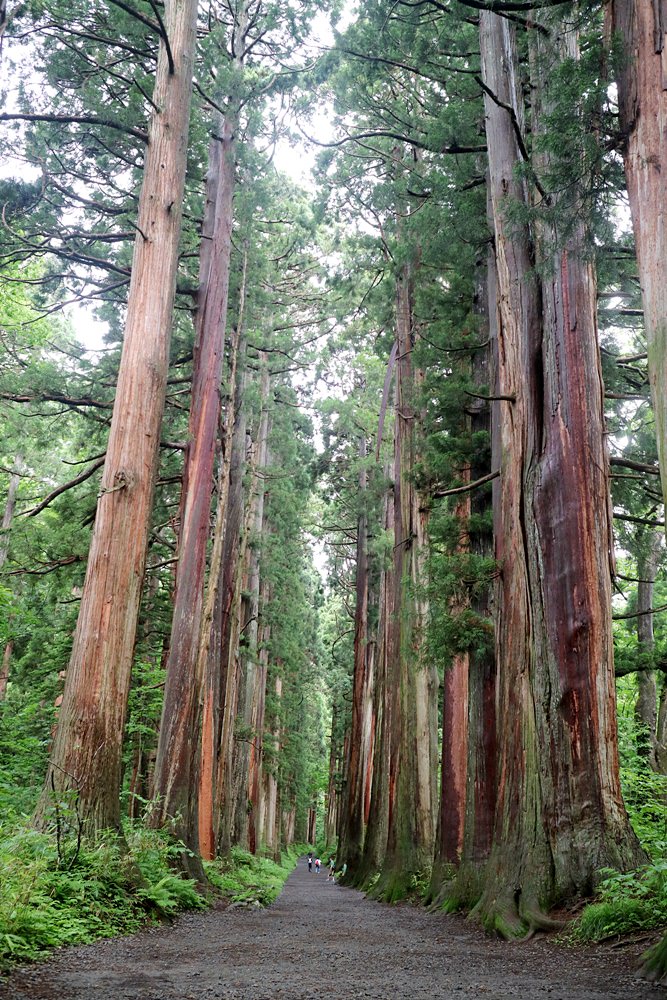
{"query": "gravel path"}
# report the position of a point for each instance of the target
(321, 940)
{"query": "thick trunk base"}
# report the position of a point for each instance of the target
(513, 915)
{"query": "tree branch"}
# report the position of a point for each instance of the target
(452, 148)
(639, 520)
(8, 116)
(523, 149)
(81, 478)
(55, 397)
(48, 567)
(626, 463)
(468, 486)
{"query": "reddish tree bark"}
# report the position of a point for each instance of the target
(560, 817)
(86, 756)
(642, 30)
(176, 767)
(352, 821)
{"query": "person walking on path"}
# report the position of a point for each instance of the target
(317, 866)
(310, 861)
(332, 865)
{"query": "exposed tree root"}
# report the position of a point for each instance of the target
(513, 918)
(442, 888)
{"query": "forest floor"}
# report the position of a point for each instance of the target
(322, 940)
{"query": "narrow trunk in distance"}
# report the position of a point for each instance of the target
(331, 806)
(463, 845)
(176, 780)
(466, 887)
(453, 784)
(86, 758)
(411, 691)
(230, 592)
(271, 842)
(351, 835)
(209, 665)
(377, 809)
(253, 680)
(256, 771)
(5, 528)
(646, 706)
(10, 506)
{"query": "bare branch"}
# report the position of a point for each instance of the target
(8, 116)
(468, 486)
(81, 478)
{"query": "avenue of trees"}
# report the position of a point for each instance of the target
(438, 365)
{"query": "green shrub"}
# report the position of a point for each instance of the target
(627, 902)
(57, 892)
(53, 894)
(247, 879)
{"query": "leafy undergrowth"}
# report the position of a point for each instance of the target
(636, 901)
(245, 878)
(54, 894)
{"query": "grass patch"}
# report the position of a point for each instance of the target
(635, 901)
(244, 878)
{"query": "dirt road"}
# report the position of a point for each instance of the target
(321, 940)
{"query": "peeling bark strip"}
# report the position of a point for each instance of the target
(86, 757)
(560, 817)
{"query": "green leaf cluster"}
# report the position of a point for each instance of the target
(54, 894)
(628, 902)
(245, 878)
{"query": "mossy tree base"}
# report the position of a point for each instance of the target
(393, 886)
(654, 963)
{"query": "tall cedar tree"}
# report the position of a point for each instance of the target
(176, 768)
(560, 816)
(641, 30)
(86, 756)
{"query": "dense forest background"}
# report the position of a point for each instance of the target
(333, 498)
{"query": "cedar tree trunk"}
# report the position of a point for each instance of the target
(86, 757)
(410, 691)
(176, 780)
(642, 94)
(560, 817)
